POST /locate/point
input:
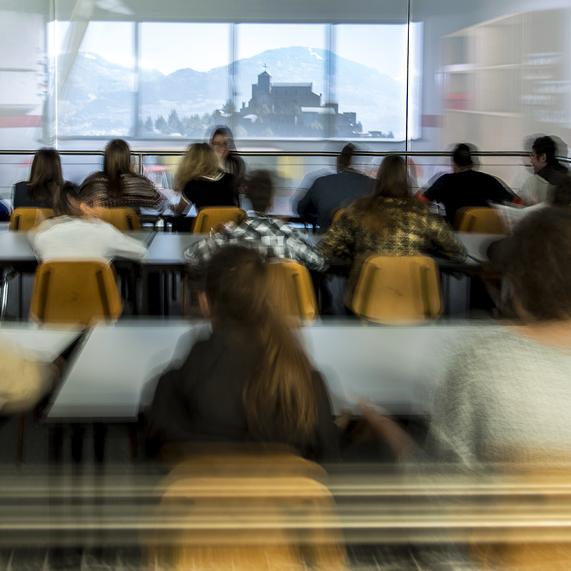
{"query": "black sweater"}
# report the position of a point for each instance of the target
(201, 401)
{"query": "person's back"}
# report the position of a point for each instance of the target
(77, 234)
(331, 192)
(204, 192)
(270, 236)
(45, 181)
(135, 192)
(466, 187)
(250, 380)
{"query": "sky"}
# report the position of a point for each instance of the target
(170, 46)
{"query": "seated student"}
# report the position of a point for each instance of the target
(202, 182)
(547, 171)
(270, 236)
(77, 233)
(222, 141)
(46, 179)
(250, 380)
(117, 185)
(389, 222)
(506, 396)
(465, 186)
(333, 191)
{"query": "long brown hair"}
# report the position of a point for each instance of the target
(116, 162)
(392, 183)
(280, 399)
(199, 160)
(46, 177)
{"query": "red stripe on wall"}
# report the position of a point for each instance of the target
(20, 122)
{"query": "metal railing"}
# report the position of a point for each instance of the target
(141, 154)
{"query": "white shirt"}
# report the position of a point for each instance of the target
(66, 238)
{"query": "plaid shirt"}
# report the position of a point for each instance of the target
(271, 237)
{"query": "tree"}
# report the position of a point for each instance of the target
(149, 125)
(174, 124)
(161, 124)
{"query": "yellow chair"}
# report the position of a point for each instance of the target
(124, 219)
(78, 292)
(292, 290)
(480, 221)
(209, 218)
(25, 219)
(398, 289)
(276, 516)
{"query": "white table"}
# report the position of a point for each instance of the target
(396, 367)
(46, 343)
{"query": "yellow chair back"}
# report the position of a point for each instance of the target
(398, 289)
(480, 221)
(124, 219)
(292, 290)
(25, 219)
(77, 292)
(209, 218)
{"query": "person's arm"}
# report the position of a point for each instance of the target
(339, 241)
(443, 239)
(200, 252)
(327, 433)
(303, 251)
(153, 198)
(123, 246)
(435, 190)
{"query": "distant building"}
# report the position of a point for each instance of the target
(293, 109)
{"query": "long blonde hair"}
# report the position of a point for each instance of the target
(199, 160)
(280, 399)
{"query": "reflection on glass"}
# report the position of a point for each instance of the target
(184, 78)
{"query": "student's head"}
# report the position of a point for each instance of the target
(560, 195)
(543, 153)
(462, 157)
(345, 157)
(45, 176)
(77, 202)
(198, 161)
(259, 189)
(279, 399)
(222, 141)
(392, 178)
(116, 162)
(539, 265)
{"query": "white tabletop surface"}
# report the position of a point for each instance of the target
(395, 367)
(46, 343)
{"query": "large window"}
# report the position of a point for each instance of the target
(183, 80)
(94, 79)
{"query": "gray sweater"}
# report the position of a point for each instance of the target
(505, 397)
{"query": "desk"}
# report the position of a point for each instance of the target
(46, 343)
(166, 251)
(396, 367)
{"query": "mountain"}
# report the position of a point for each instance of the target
(98, 93)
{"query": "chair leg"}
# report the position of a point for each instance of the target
(4, 306)
(20, 440)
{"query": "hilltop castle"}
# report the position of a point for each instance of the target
(293, 109)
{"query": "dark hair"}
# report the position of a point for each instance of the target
(280, 398)
(545, 146)
(538, 264)
(560, 195)
(259, 188)
(45, 175)
(392, 178)
(345, 157)
(462, 156)
(66, 199)
(116, 162)
(225, 132)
